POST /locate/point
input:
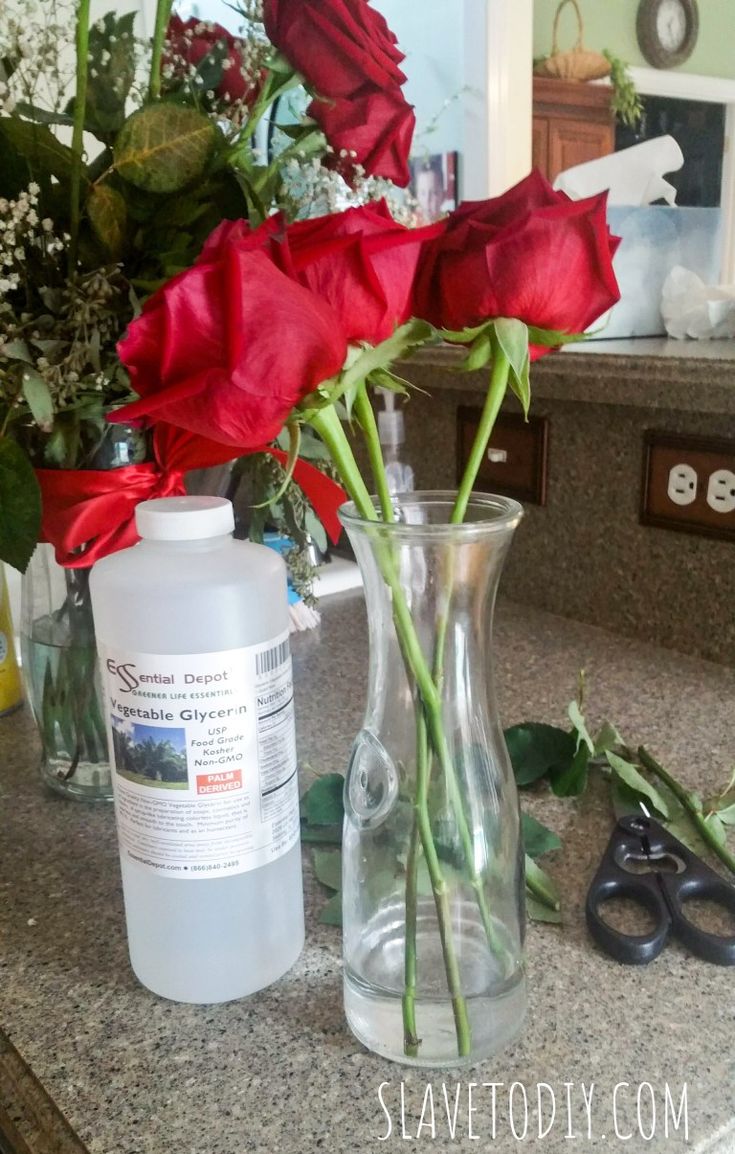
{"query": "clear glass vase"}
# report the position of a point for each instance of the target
(433, 885)
(62, 678)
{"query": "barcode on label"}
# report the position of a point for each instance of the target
(269, 660)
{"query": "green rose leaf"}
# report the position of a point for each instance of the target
(107, 214)
(323, 803)
(164, 147)
(572, 780)
(543, 888)
(111, 73)
(727, 815)
(580, 725)
(635, 780)
(331, 914)
(512, 336)
(328, 867)
(44, 155)
(536, 748)
(38, 396)
(538, 912)
(20, 506)
(538, 839)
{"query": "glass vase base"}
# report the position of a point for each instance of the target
(375, 1017)
(89, 782)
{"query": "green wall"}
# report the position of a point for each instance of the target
(611, 24)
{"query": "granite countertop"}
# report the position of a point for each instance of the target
(134, 1074)
(648, 372)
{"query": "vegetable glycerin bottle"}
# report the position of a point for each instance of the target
(192, 628)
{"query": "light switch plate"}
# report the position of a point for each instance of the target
(516, 458)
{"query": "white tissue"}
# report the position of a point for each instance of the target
(634, 176)
(691, 308)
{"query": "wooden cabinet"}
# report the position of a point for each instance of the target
(572, 123)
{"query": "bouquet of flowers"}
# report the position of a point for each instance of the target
(275, 327)
(88, 231)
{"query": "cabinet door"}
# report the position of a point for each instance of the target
(540, 144)
(574, 142)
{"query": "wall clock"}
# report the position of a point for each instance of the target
(667, 31)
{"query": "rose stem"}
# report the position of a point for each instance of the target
(328, 425)
(77, 139)
(695, 816)
(163, 11)
(366, 418)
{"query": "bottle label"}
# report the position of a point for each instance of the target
(204, 758)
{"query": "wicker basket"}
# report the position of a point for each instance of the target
(579, 63)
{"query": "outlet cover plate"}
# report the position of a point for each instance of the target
(518, 451)
(705, 455)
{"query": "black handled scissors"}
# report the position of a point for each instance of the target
(645, 863)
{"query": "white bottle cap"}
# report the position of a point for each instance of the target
(184, 518)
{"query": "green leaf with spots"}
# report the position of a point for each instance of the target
(20, 506)
(164, 147)
(107, 212)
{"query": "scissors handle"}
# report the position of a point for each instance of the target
(664, 894)
(612, 881)
(701, 883)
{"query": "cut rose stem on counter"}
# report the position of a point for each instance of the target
(685, 799)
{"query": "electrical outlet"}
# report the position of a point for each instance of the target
(721, 491)
(682, 488)
(515, 461)
(689, 484)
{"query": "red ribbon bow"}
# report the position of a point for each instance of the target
(93, 510)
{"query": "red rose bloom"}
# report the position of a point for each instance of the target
(191, 40)
(531, 253)
(348, 56)
(361, 262)
(376, 126)
(339, 46)
(228, 347)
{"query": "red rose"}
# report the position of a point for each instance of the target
(339, 46)
(376, 126)
(348, 56)
(228, 347)
(189, 41)
(531, 253)
(361, 262)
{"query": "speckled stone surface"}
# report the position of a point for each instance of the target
(585, 554)
(278, 1073)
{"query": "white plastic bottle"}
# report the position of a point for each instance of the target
(192, 628)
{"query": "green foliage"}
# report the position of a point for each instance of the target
(164, 147)
(110, 75)
(626, 103)
(107, 212)
(324, 802)
(20, 506)
(536, 750)
(41, 153)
